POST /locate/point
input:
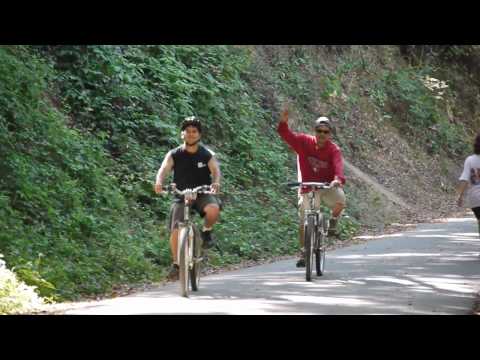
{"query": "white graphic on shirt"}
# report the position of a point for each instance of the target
(316, 164)
(201, 165)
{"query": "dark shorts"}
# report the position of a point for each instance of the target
(177, 208)
(476, 211)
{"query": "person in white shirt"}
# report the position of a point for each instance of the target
(469, 188)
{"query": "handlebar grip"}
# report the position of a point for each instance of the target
(169, 188)
(291, 184)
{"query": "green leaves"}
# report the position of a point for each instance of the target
(409, 96)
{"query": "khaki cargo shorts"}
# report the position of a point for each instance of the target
(329, 197)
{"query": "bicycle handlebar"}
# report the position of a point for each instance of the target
(318, 185)
(203, 189)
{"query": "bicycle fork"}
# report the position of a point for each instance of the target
(318, 228)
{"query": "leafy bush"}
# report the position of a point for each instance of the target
(15, 296)
(57, 193)
(417, 104)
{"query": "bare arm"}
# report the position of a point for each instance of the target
(216, 174)
(339, 179)
(163, 172)
(284, 115)
(464, 182)
(461, 190)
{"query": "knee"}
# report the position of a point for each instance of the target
(212, 210)
(340, 206)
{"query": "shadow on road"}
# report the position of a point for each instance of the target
(387, 282)
(426, 271)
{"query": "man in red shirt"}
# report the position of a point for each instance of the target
(320, 160)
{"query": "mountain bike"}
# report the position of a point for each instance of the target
(190, 251)
(315, 230)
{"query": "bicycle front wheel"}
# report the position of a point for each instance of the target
(197, 260)
(309, 246)
(183, 260)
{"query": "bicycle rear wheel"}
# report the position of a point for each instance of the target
(183, 260)
(322, 242)
(197, 262)
(309, 246)
(322, 230)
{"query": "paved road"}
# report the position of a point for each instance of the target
(434, 269)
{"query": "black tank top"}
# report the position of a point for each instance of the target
(191, 170)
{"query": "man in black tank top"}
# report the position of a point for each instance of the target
(191, 169)
(193, 165)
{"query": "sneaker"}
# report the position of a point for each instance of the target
(208, 241)
(301, 261)
(173, 273)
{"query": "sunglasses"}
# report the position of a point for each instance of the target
(323, 131)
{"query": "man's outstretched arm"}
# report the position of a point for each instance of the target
(291, 138)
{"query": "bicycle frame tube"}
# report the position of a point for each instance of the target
(186, 212)
(188, 225)
(313, 209)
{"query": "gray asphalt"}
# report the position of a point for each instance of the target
(434, 269)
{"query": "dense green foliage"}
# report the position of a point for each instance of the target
(85, 128)
(415, 102)
(79, 210)
(63, 215)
